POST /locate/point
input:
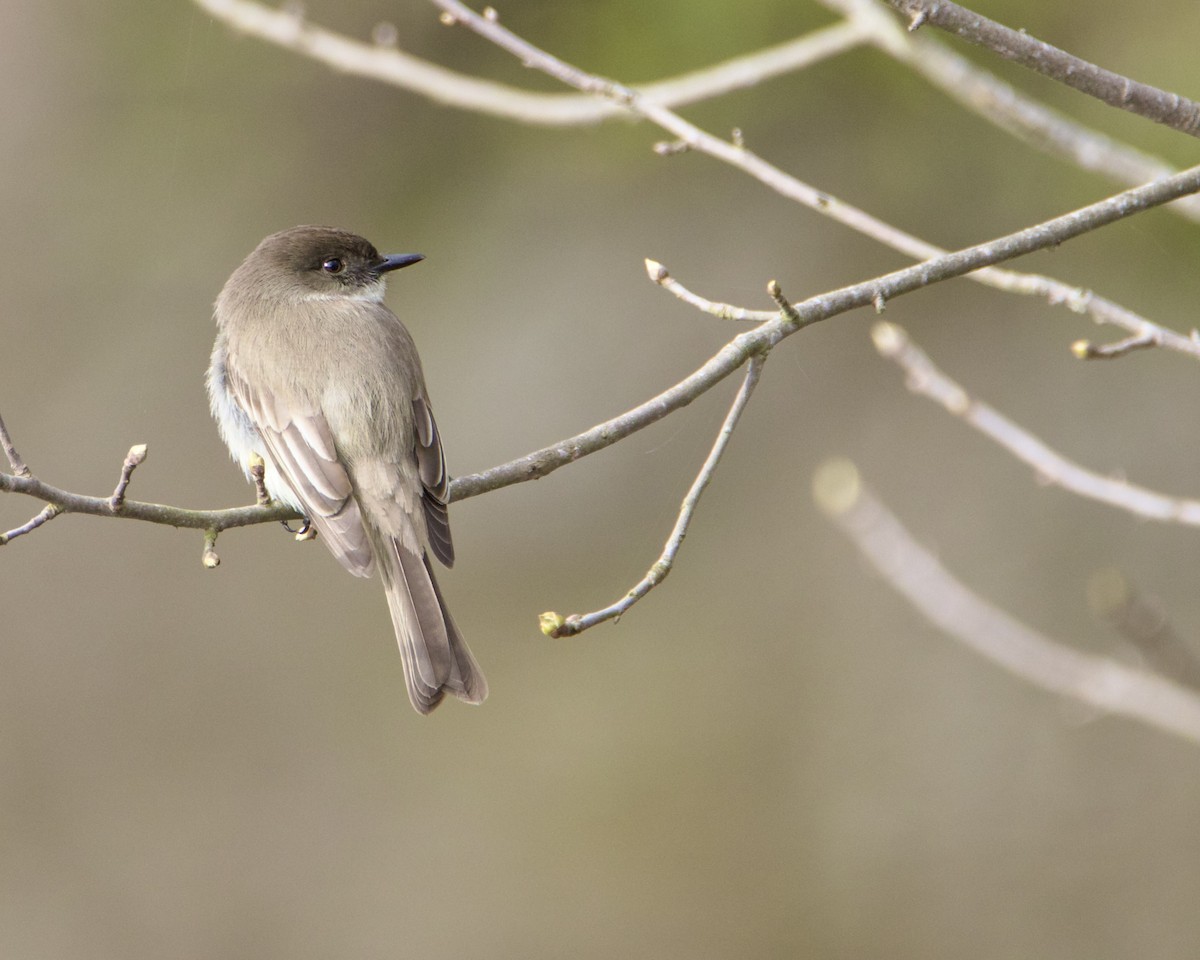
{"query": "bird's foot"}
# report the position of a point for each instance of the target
(306, 532)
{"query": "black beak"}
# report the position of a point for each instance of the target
(395, 261)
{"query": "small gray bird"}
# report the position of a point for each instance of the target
(312, 373)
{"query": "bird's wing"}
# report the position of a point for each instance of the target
(300, 446)
(431, 466)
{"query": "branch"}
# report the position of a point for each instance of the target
(48, 513)
(556, 626)
(865, 22)
(1052, 467)
(1163, 107)
(540, 463)
(776, 326)
(1036, 124)
(389, 65)
(916, 574)
(735, 154)
(133, 460)
(67, 502)
(722, 311)
(986, 95)
(1086, 350)
(14, 458)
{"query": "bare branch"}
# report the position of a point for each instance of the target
(258, 476)
(1000, 103)
(1038, 125)
(785, 306)
(50, 511)
(1053, 291)
(724, 311)
(972, 86)
(1086, 350)
(1052, 467)
(14, 458)
(555, 626)
(1161, 106)
(133, 460)
(917, 574)
(775, 326)
(542, 462)
(208, 555)
(389, 65)
(151, 512)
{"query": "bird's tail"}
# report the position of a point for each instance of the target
(436, 659)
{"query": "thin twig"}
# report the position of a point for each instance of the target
(1161, 106)
(555, 626)
(258, 476)
(1086, 350)
(724, 311)
(1052, 468)
(10, 451)
(785, 306)
(917, 575)
(1053, 291)
(49, 512)
(208, 555)
(397, 68)
(133, 460)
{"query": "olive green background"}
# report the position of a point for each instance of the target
(771, 756)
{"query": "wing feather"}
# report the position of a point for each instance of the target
(299, 444)
(431, 465)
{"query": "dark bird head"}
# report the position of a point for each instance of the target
(316, 263)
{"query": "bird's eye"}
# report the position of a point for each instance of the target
(333, 265)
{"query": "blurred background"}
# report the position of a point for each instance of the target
(772, 755)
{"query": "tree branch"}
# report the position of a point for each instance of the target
(133, 460)
(1036, 124)
(735, 154)
(397, 68)
(777, 325)
(554, 625)
(1170, 109)
(916, 574)
(1086, 350)
(1053, 468)
(150, 512)
(10, 451)
(1001, 104)
(50, 511)
(723, 311)
(865, 22)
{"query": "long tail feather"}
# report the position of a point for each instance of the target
(436, 658)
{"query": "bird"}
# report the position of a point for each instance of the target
(312, 373)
